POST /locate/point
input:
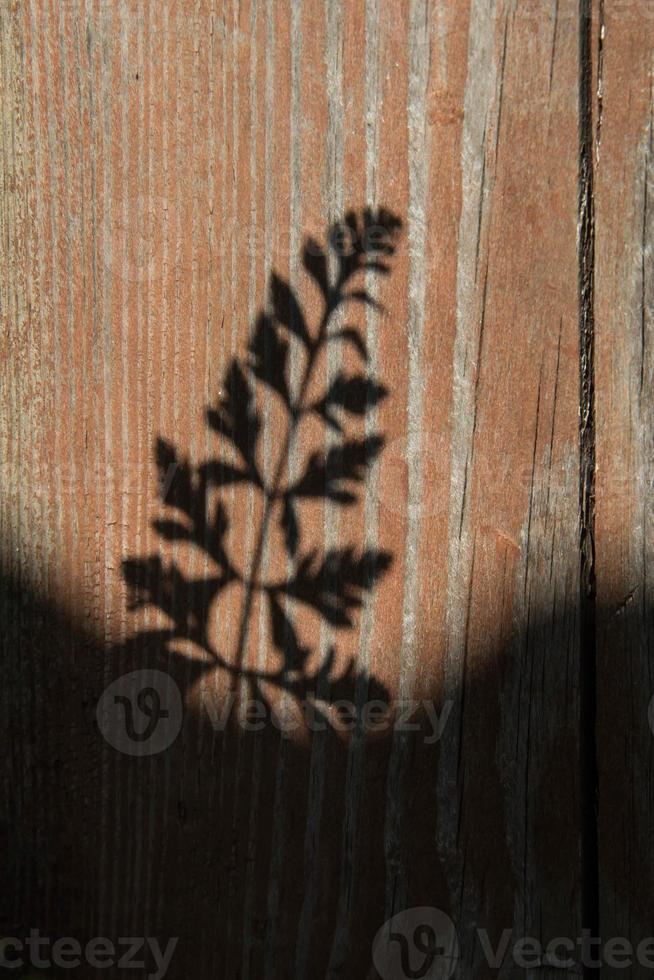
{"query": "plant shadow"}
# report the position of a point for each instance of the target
(329, 582)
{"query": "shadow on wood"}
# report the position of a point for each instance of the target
(279, 853)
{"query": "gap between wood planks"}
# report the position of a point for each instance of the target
(590, 917)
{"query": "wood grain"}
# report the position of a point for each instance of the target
(160, 161)
(623, 136)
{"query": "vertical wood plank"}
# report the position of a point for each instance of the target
(510, 643)
(624, 52)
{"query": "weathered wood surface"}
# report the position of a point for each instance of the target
(625, 427)
(160, 162)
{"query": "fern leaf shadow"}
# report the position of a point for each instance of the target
(331, 584)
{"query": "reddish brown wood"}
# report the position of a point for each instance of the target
(161, 161)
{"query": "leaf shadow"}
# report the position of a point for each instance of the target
(331, 583)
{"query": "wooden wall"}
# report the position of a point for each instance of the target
(160, 161)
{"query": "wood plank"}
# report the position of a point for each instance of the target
(623, 318)
(510, 641)
(162, 161)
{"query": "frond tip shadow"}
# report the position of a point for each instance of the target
(332, 584)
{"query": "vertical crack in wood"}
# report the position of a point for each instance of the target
(587, 646)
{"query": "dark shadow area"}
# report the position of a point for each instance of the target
(269, 857)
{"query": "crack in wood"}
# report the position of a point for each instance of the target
(587, 639)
